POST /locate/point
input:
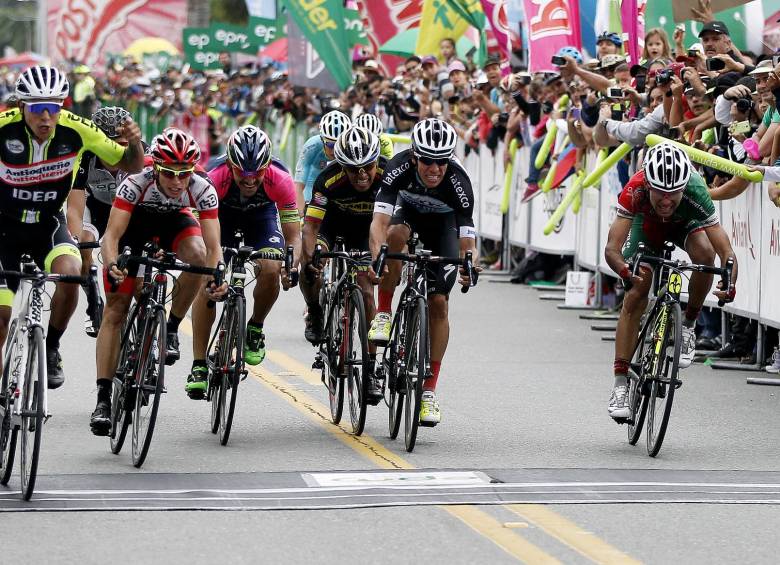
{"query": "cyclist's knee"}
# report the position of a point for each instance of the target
(397, 236)
(437, 307)
(66, 265)
(192, 250)
(702, 252)
(116, 308)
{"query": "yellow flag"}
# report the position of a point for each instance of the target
(440, 20)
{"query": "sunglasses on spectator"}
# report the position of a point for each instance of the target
(249, 174)
(41, 107)
(174, 173)
(428, 161)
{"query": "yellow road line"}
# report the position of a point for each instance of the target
(583, 542)
(303, 371)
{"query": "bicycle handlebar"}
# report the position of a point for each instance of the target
(466, 262)
(88, 245)
(246, 253)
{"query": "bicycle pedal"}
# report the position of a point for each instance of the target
(244, 374)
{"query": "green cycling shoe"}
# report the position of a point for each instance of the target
(197, 383)
(254, 349)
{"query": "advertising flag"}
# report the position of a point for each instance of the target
(552, 24)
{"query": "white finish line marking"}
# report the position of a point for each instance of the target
(397, 479)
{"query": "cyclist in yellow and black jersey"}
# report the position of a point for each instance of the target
(40, 149)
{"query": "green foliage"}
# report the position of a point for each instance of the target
(229, 11)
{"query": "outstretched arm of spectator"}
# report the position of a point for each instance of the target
(767, 140)
(703, 12)
(597, 82)
(676, 111)
(485, 103)
(576, 133)
(600, 135)
(703, 123)
(729, 189)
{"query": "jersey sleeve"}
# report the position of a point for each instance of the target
(318, 205)
(280, 189)
(701, 204)
(464, 209)
(626, 206)
(205, 198)
(128, 194)
(395, 174)
(82, 174)
(303, 164)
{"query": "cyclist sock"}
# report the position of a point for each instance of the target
(691, 314)
(621, 371)
(256, 325)
(385, 301)
(53, 336)
(430, 383)
(172, 326)
(104, 390)
(199, 363)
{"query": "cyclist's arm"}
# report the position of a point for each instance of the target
(613, 252)
(117, 225)
(378, 233)
(722, 246)
(77, 201)
(299, 201)
(210, 230)
(292, 236)
(310, 231)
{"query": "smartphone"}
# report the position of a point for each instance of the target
(739, 127)
(715, 64)
(575, 113)
(558, 61)
(615, 92)
(524, 78)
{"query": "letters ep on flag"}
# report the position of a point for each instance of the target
(552, 24)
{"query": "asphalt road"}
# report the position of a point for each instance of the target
(524, 392)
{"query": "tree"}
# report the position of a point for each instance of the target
(229, 11)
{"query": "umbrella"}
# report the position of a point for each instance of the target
(403, 44)
(276, 50)
(23, 60)
(145, 45)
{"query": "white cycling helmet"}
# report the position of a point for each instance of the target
(41, 83)
(370, 122)
(433, 138)
(333, 124)
(356, 147)
(667, 168)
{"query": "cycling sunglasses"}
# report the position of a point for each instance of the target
(356, 170)
(41, 107)
(173, 173)
(428, 161)
(249, 174)
(328, 143)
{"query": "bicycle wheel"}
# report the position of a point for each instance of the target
(416, 366)
(32, 411)
(232, 367)
(333, 365)
(121, 404)
(637, 401)
(149, 377)
(8, 432)
(356, 361)
(666, 358)
(214, 361)
(396, 380)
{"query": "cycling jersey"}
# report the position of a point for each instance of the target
(695, 213)
(310, 164)
(141, 191)
(340, 209)
(402, 188)
(35, 178)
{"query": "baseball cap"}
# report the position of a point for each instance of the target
(639, 69)
(456, 66)
(490, 61)
(371, 64)
(551, 79)
(429, 60)
(612, 60)
(716, 26)
(482, 79)
(610, 36)
(763, 67)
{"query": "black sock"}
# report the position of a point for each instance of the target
(199, 363)
(104, 390)
(53, 336)
(253, 324)
(172, 326)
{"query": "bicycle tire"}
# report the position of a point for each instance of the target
(31, 426)
(334, 382)
(637, 401)
(121, 408)
(149, 386)
(8, 434)
(357, 361)
(416, 366)
(233, 357)
(395, 403)
(665, 378)
(213, 360)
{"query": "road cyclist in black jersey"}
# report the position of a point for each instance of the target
(424, 191)
(41, 146)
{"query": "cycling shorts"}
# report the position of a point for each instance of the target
(353, 229)
(43, 242)
(439, 234)
(96, 215)
(653, 234)
(260, 227)
(167, 230)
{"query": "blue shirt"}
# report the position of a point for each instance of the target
(310, 164)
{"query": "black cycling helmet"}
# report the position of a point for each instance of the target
(249, 149)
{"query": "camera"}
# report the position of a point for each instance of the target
(693, 53)
(664, 76)
(739, 127)
(715, 64)
(615, 92)
(523, 78)
(558, 61)
(575, 113)
(503, 118)
(744, 105)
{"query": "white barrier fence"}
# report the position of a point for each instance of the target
(751, 221)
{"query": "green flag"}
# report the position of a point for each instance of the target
(322, 23)
(353, 23)
(200, 49)
(471, 11)
(263, 31)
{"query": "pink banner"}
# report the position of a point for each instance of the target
(552, 24)
(633, 27)
(495, 10)
(383, 20)
(83, 30)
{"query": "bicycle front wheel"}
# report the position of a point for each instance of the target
(416, 369)
(232, 367)
(396, 380)
(333, 360)
(356, 362)
(666, 358)
(121, 401)
(32, 411)
(637, 399)
(8, 432)
(149, 377)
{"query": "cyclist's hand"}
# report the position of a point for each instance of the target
(373, 277)
(130, 131)
(288, 278)
(725, 296)
(116, 275)
(214, 292)
(312, 272)
(464, 278)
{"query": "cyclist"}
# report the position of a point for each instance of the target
(92, 194)
(424, 190)
(374, 125)
(342, 204)
(666, 201)
(41, 146)
(317, 152)
(155, 205)
(255, 194)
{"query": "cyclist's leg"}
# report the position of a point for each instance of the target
(700, 250)
(397, 236)
(8, 288)
(310, 287)
(184, 238)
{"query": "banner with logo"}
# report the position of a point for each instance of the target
(84, 30)
(495, 11)
(442, 19)
(322, 24)
(383, 20)
(770, 261)
(305, 67)
(200, 50)
(551, 24)
(203, 45)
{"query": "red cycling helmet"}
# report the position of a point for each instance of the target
(173, 146)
